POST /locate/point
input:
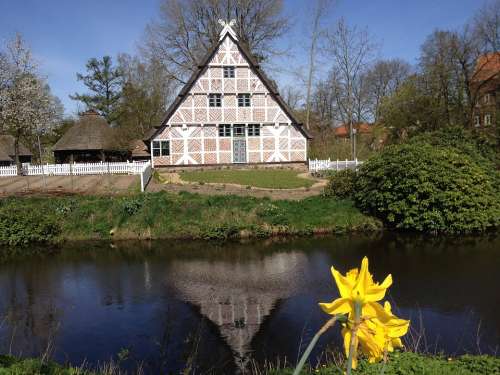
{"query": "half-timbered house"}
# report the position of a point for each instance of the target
(229, 112)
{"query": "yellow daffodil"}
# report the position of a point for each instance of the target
(370, 326)
(358, 287)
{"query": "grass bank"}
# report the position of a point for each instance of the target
(399, 364)
(416, 364)
(166, 215)
(261, 178)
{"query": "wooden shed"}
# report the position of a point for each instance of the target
(89, 140)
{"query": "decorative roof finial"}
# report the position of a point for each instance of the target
(227, 28)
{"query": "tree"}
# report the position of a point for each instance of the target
(351, 51)
(292, 96)
(146, 92)
(105, 83)
(486, 26)
(187, 29)
(27, 107)
(320, 11)
(410, 110)
(382, 80)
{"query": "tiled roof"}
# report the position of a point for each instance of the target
(362, 128)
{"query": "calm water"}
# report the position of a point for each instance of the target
(220, 307)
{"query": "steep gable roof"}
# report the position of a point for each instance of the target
(203, 66)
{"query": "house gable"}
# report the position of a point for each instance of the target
(192, 107)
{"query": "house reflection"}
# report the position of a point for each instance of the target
(237, 296)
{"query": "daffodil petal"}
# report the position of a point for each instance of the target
(376, 292)
(373, 310)
(364, 281)
(344, 284)
(397, 327)
(339, 306)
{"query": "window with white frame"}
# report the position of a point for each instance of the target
(161, 148)
(215, 100)
(486, 99)
(254, 130)
(477, 121)
(228, 72)
(224, 130)
(243, 100)
(487, 119)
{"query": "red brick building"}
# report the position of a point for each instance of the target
(486, 86)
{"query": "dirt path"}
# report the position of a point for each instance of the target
(96, 184)
(173, 183)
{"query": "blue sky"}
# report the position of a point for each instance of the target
(64, 34)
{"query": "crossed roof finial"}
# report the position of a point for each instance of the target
(227, 28)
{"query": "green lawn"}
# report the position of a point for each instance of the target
(262, 178)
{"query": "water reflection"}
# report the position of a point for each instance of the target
(217, 307)
(237, 297)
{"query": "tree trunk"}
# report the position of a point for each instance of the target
(16, 157)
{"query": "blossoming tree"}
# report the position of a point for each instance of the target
(26, 105)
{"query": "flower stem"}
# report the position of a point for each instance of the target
(354, 332)
(313, 342)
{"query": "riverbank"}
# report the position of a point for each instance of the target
(417, 364)
(164, 215)
(399, 364)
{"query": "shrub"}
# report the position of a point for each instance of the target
(21, 226)
(425, 188)
(272, 214)
(340, 184)
(131, 205)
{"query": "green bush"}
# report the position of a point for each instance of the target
(421, 187)
(20, 227)
(340, 184)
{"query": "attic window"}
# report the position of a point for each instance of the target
(229, 72)
(214, 100)
(243, 100)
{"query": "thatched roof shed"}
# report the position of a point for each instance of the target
(139, 150)
(7, 151)
(90, 132)
(89, 139)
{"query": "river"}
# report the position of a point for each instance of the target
(223, 308)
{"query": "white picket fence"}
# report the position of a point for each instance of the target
(77, 169)
(332, 165)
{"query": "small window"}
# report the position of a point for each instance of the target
(225, 130)
(486, 99)
(239, 130)
(477, 121)
(229, 72)
(161, 148)
(215, 100)
(243, 100)
(487, 120)
(254, 130)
